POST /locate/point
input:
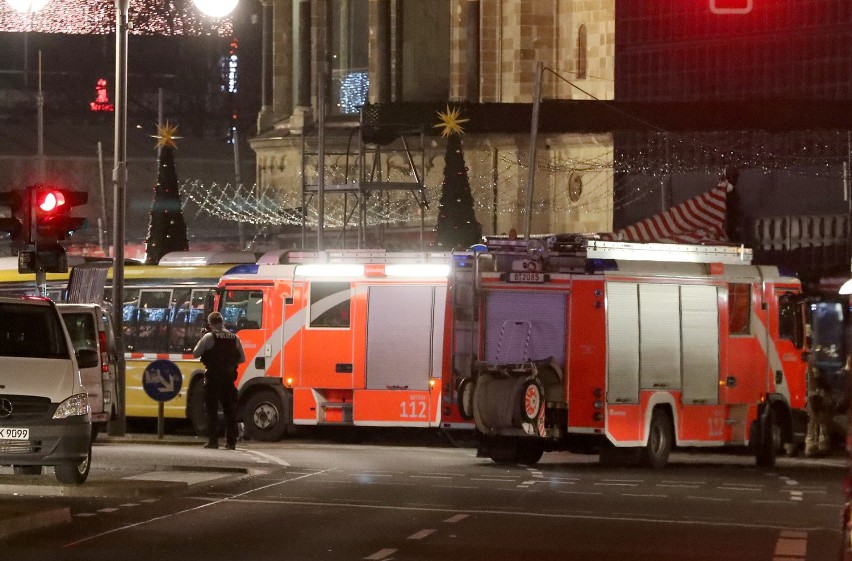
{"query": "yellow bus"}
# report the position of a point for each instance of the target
(164, 310)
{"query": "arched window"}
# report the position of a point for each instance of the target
(581, 52)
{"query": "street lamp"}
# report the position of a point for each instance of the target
(214, 8)
(27, 6)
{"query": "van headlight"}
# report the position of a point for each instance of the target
(75, 405)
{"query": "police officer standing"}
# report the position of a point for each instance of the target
(220, 352)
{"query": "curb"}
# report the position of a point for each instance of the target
(34, 521)
(119, 488)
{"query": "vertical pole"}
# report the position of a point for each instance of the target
(321, 77)
(161, 421)
(103, 226)
(494, 193)
(238, 179)
(40, 105)
(539, 69)
(119, 177)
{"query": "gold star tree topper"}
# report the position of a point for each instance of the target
(166, 135)
(450, 121)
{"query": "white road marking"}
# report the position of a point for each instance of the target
(85, 514)
(381, 554)
(129, 504)
(749, 489)
(195, 508)
(372, 475)
(188, 477)
(107, 510)
(678, 485)
(421, 534)
(794, 534)
(264, 456)
(498, 479)
(716, 499)
(618, 484)
(456, 518)
(679, 521)
(456, 487)
(429, 477)
(643, 495)
(581, 492)
(791, 547)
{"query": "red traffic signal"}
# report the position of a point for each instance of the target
(52, 206)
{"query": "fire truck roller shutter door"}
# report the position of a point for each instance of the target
(622, 334)
(700, 337)
(543, 311)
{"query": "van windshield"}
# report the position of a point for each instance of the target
(31, 331)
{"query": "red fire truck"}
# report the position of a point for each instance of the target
(628, 349)
(352, 337)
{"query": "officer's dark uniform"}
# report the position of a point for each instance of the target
(221, 362)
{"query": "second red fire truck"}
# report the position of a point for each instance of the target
(557, 343)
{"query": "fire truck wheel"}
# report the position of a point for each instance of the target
(768, 440)
(465, 398)
(656, 453)
(532, 397)
(264, 417)
(530, 451)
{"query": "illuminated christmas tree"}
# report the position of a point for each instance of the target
(167, 229)
(457, 227)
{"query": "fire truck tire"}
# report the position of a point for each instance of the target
(768, 440)
(530, 451)
(465, 398)
(532, 400)
(660, 439)
(265, 417)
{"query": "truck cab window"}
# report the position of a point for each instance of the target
(242, 309)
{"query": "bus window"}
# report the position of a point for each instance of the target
(201, 304)
(153, 321)
(178, 314)
(330, 304)
(188, 318)
(129, 314)
(242, 309)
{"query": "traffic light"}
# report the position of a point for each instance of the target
(13, 224)
(52, 206)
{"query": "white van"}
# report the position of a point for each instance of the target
(90, 327)
(44, 407)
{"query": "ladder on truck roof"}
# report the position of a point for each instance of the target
(684, 253)
(365, 256)
(590, 247)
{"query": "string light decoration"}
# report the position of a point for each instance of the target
(97, 17)
(613, 179)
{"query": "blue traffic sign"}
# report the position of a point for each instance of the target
(162, 380)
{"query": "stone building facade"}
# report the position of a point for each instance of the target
(436, 51)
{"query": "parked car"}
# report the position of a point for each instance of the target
(90, 327)
(44, 406)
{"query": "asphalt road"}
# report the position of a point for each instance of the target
(306, 500)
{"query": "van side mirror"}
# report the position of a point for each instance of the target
(88, 358)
